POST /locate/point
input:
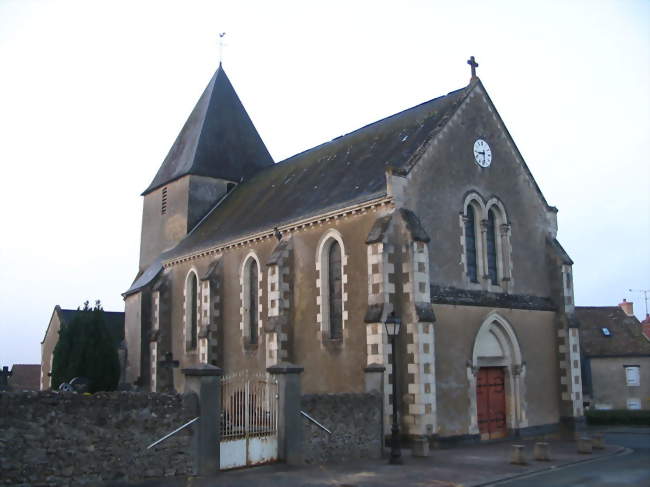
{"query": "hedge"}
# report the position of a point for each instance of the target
(639, 417)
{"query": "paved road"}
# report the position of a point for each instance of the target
(631, 468)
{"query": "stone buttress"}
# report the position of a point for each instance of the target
(160, 336)
(381, 291)
(279, 303)
(568, 337)
(419, 398)
(209, 308)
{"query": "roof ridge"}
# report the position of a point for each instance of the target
(598, 307)
(368, 125)
(446, 116)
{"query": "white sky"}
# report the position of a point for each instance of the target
(93, 94)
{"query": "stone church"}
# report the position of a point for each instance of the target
(430, 213)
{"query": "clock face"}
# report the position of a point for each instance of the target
(482, 153)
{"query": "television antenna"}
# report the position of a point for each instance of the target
(645, 296)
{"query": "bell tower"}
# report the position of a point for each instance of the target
(217, 148)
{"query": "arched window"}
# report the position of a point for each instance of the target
(335, 290)
(253, 301)
(191, 311)
(331, 281)
(491, 238)
(250, 295)
(470, 243)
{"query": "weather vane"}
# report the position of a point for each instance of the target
(221, 45)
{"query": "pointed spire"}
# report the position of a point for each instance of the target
(218, 139)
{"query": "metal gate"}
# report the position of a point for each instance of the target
(249, 420)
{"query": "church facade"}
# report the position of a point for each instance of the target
(431, 214)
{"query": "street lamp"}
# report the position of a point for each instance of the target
(392, 325)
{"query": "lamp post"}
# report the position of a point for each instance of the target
(392, 325)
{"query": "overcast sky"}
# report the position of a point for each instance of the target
(93, 94)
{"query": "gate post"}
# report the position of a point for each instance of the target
(204, 380)
(374, 382)
(289, 419)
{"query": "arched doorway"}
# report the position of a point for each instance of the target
(496, 383)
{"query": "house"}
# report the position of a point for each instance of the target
(430, 213)
(114, 322)
(615, 357)
(24, 377)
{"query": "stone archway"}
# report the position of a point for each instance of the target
(496, 347)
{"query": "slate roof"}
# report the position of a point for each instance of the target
(25, 377)
(626, 337)
(345, 171)
(114, 322)
(218, 139)
(559, 250)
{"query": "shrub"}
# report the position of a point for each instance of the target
(86, 349)
(640, 417)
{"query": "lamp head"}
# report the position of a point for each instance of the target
(392, 324)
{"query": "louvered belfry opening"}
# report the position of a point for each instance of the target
(163, 202)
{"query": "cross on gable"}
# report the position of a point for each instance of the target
(168, 362)
(472, 62)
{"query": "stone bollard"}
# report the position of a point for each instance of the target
(541, 452)
(598, 441)
(585, 445)
(518, 457)
(420, 447)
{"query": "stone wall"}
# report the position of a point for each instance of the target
(355, 421)
(53, 438)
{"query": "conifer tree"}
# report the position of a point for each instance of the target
(86, 349)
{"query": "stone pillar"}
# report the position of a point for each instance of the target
(289, 419)
(204, 380)
(374, 380)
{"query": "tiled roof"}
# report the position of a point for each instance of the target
(625, 336)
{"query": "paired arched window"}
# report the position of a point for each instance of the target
(487, 248)
(191, 310)
(470, 243)
(491, 243)
(251, 300)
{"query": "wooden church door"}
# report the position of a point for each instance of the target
(491, 402)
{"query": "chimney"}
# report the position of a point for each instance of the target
(627, 307)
